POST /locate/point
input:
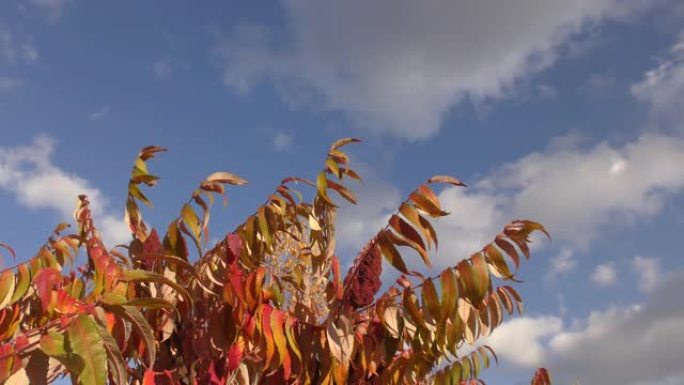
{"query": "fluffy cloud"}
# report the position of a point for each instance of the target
(16, 49)
(29, 174)
(562, 263)
(641, 344)
(649, 272)
(475, 218)
(398, 66)
(520, 341)
(358, 223)
(575, 191)
(662, 88)
(605, 274)
(634, 345)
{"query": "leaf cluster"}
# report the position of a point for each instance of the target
(267, 304)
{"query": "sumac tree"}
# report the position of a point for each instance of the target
(268, 304)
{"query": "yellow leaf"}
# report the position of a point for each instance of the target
(225, 177)
(191, 220)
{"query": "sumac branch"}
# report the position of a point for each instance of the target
(268, 304)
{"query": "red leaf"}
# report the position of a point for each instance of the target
(214, 379)
(234, 247)
(8, 248)
(541, 377)
(45, 281)
(148, 378)
(235, 353)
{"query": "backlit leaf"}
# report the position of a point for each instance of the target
(225, 177)
(140, 325)
(23, 282)
(429, 294)
(86, 343)
(391, 254)
(191, 220)
(343, 142)
(7, 284)
(117, 366)
(446, 179)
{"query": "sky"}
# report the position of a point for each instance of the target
(567, 112)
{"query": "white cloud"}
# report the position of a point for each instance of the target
(99, 114)
(640, 344)
(28, 50)
(635, 345)
(649, 272)
(162, 69)
(475, 218)
(8, 83)
(662, 88)
(282, 141)
(577, 191)
(356, 224)
(15, 49)
(605, 274)
(398, 66)
(520, 341)
(29, 174)
(53, 8)
(562, 263)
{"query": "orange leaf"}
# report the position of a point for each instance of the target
(343, 142)
(446, 179)
(427, 201)
(148, 378)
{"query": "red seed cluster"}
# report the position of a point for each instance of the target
(366, 282)
(151, 247)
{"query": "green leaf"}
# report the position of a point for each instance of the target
(86, 343)
(53, 344)
(23, 282)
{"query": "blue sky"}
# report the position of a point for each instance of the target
(566, 112)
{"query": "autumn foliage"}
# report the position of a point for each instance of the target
(268, 304)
